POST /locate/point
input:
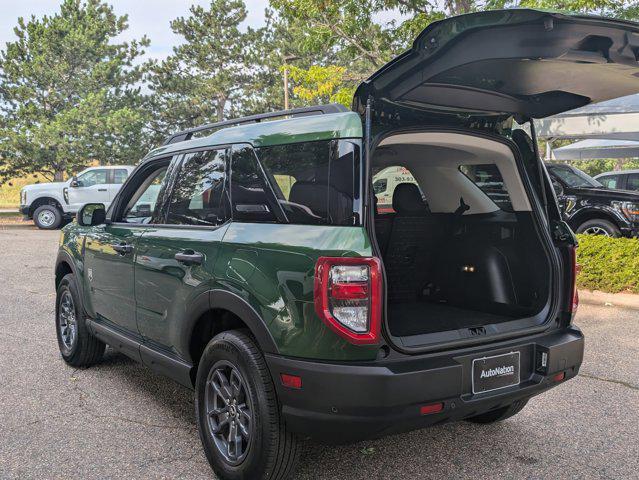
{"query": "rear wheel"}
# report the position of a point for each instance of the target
(77, 346)
(238, 415)
(499, 414)
(47, 217)
(599, 226)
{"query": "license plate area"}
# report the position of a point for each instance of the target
(496, 372)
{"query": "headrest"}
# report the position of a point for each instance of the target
(408, 200)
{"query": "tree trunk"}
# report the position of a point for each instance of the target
(58, 176)
(221, 103)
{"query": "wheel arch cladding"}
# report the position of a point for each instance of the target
(595, 214)
(216, 311)
(38, 202)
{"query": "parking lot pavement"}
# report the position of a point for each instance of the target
(119, 420)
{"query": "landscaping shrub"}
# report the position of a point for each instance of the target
(608, 264)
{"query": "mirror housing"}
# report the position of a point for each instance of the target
(74, 182)
(92, 214)
(558, 188)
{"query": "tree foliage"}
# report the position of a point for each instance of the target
(69, 95)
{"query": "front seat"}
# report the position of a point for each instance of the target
(413, 237)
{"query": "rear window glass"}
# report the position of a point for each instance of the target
(489, 180)
(314, 182)
(384, 183)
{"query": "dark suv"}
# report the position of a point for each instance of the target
(248, 261)
(590, 207)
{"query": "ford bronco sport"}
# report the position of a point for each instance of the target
(263, 276)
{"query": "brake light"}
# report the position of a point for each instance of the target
(574, 299)
(348, 297)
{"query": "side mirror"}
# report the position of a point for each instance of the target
(559, 190)
(92, 214)
(74, 182)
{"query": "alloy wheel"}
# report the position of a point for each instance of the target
(67, 323)
(229, 411)
(595, 230)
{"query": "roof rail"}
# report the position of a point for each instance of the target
(295, 112)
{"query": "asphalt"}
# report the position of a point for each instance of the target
(119, 420)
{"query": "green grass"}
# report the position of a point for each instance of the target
(608, 264)
(10, 190)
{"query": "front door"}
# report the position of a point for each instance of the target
(92, 187)
(175, 259)
(110, 252)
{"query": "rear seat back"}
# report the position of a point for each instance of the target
(413, 238)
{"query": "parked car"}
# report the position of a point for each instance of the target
(620, 180)
(50, 204)
(263, 277)
(589, 207)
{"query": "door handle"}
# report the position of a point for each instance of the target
(189, 257)
(122, 248)
(102, 189)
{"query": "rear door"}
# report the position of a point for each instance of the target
(176, 255)
(519, 62)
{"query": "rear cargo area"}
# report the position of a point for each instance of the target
(455, 227)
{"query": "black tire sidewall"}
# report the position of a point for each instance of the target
(606, 225)
(56, 212)
(77, 356)
(231, 347)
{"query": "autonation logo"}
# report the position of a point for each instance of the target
(498, 371)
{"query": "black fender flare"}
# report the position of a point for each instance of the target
(235, 304)
(242, 309)
(599, 211)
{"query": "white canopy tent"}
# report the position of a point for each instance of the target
(597, 148)
(616, 119)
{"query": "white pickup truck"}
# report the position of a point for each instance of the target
(50, 204)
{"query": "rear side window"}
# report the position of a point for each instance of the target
(199, 195)
(632, 183)
(489, 180)
(119, 176)
(314, 182)
(610, 181)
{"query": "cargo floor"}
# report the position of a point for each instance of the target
(418, 318)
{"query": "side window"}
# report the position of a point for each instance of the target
(314, 182)
(250, 197)
(120, 175)
(609, 181)
(199, 195)
(632, 182)
(489, 180)
(142, 205)
(93, 177)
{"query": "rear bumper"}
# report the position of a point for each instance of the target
(341, 403)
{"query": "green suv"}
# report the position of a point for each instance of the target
(250, 260)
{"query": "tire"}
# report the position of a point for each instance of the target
(47, 217)
(499, 414)
(268, 450)
(77, 346)
(599, 226)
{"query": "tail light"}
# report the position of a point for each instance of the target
(348, 297)
(574, 299)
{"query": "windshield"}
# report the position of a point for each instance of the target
(573, 177)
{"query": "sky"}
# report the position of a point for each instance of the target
(150, 17)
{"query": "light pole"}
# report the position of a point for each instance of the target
(288, 58)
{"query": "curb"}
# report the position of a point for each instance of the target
(626, 300)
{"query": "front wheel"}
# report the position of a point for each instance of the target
(500, 414)
(238, 415)
(77, 346)
(599, 227)
(47, 217)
